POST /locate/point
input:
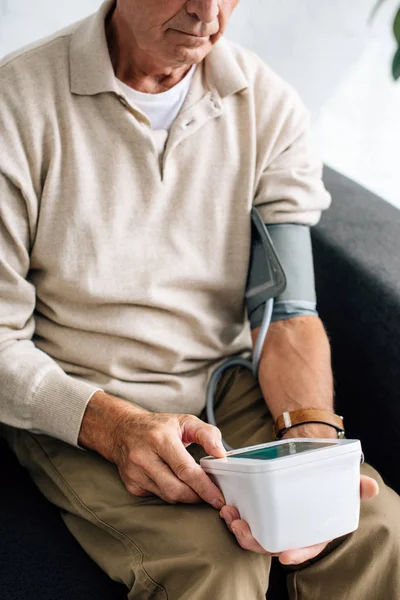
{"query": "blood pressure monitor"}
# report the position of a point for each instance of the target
(293, 493)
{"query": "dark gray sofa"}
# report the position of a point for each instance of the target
(357, 260)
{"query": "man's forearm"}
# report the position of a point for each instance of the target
(295, 370)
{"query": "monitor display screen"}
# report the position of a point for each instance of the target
(280, 450)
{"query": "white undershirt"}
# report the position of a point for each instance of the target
(161, 109)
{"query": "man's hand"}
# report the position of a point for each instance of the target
(368, 490)
(149, 449)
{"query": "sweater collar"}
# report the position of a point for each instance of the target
(92, 73)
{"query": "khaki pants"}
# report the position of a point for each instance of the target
(185, 552)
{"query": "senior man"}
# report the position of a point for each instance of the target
(132, 149)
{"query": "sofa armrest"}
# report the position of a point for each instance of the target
(357, 263)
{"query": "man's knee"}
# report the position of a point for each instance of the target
(380, 517)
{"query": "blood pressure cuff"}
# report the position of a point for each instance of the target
(281, 267)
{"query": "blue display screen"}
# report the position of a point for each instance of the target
(280, 450)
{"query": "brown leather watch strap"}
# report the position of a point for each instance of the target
(305, 416)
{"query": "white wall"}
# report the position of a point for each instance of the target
(340, 62)
(326, 48)
(23, 21)
(358, 127)
(309, 42)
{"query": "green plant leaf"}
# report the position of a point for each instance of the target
(396, 65)
(396, 27)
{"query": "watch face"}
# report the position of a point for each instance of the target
(281, 450)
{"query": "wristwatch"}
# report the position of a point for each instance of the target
(306, 416)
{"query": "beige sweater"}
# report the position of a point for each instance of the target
(123, 263)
